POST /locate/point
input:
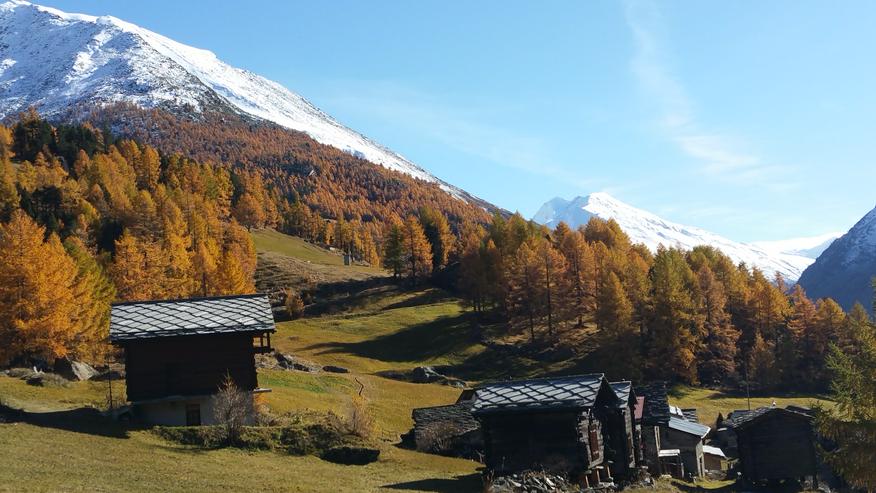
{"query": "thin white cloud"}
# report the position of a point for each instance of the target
(717, 155)
(461, 129)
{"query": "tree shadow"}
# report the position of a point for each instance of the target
(470, 482)
(440, 337)
(428, 297)
(85, 420)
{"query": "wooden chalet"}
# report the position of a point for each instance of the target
(774, 444)
(622, 438)
(177, 352)
(651, 414)
(553, 424)
(688, 438)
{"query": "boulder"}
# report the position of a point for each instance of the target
(426, 374)
(74, 370)
(335, 369)
(349, 455)
(47, 380)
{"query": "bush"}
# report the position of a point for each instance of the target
(359, 421)
(294, 304)
(299, 434)
(232, 408)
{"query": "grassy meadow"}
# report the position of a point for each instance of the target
(60, 443)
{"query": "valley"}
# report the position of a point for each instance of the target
(388, 329)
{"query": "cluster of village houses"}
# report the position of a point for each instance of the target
(177, 352)
(599, 431)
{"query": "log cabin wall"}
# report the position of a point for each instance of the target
(777, 446)
(189, 365)
(556, 441)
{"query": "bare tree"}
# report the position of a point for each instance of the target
(231, 408)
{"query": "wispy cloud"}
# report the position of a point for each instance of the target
(717, 155)
(465, 130)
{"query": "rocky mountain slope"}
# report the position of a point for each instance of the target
(56, 61)
(845, 270)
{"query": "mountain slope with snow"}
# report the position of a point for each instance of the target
(55, 61)
(645, 227)
(845, 270)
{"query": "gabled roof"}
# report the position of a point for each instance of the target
(688, 427)
(622, 390)
(456, 415)
(575, 392)
(741, 419)
(708, 449)
(196, 316)
(656, 403)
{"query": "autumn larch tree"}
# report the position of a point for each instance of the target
(851, 425)
(716, 361)
(394, 249)
(437, 231)
(37, 292)
(417, 251)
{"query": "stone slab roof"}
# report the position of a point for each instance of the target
(688, 427)
(574, 392)
(196, 316)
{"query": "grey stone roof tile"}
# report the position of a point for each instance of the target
(196, 316)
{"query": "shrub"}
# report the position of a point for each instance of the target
(232, 408)
(294, 304)
(359, 421)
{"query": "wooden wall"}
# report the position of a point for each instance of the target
(191, 365)
(777, 446)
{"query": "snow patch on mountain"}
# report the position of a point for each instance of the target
(807, 246)
(55, 60)
(652, 230)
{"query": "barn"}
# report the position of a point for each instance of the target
(553, 424)
(177, 352)
(775, 444)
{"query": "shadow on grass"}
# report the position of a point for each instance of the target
(440, 337)
(470, 482)
(428, 297)
(81, 420)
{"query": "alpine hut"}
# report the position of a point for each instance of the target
(554, 424)
(178, 352)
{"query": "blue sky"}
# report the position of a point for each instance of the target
(751, 119)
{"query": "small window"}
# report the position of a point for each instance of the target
(193, 414)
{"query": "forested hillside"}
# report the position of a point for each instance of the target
(90, 218)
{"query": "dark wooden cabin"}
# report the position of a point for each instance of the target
(622, 437)
(554, 424)
(178, 352)
(448, 430)
(652, 413)
(775, 444)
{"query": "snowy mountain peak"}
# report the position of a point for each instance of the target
(652, 230)
(844, 271)
(54, 60)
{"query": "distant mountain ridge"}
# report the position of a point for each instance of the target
(846, 269)
(652, 230)
(55, 61)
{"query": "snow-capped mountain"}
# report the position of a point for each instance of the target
(845, 270)
(807, 246)
(54, 61)
(645, 227)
